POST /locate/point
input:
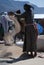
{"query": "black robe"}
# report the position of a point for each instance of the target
(1, 32)
(30, 34)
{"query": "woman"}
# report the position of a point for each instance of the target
(13, 28)
(30, 33)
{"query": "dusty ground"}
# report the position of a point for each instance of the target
(13, 55)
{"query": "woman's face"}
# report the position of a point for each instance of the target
(12, 17)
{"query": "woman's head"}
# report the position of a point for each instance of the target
(11, 13)
(27, 7)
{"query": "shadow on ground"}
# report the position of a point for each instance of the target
(24, 56)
